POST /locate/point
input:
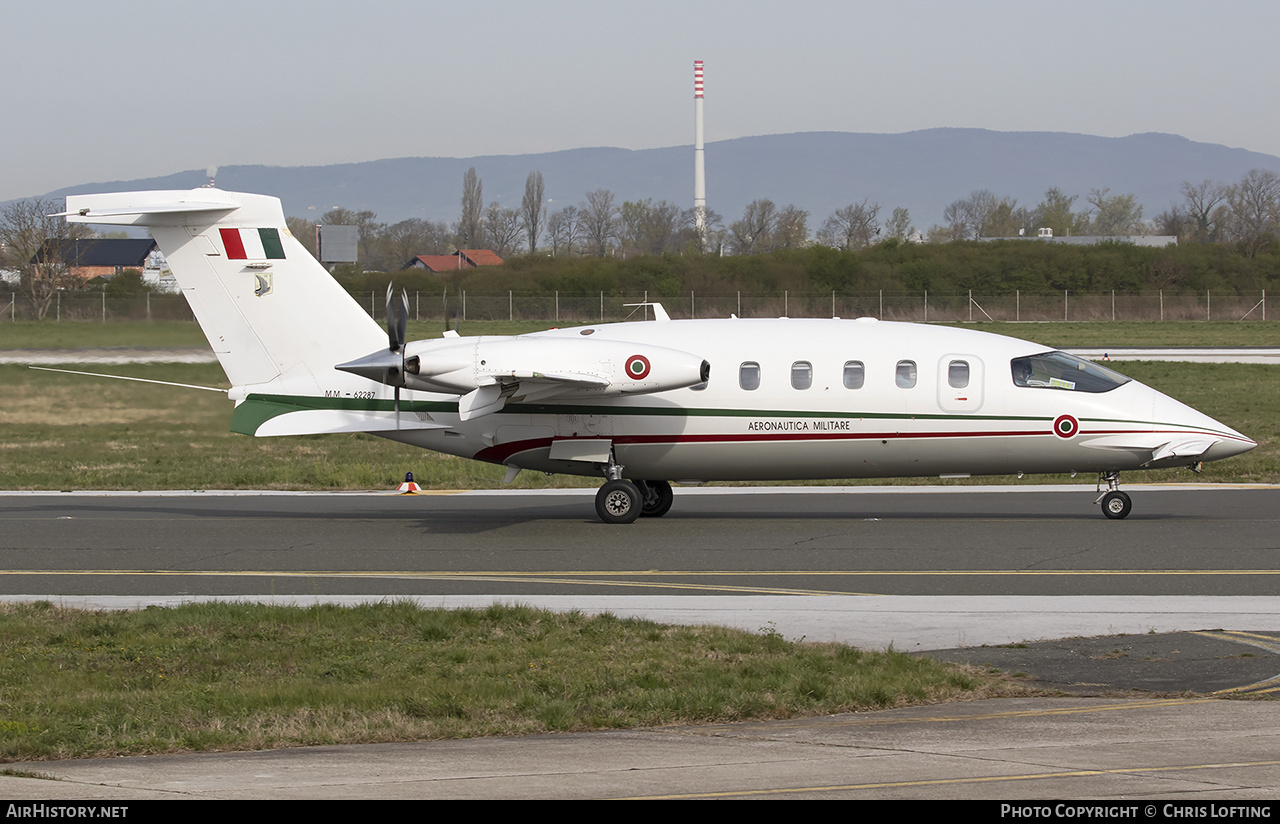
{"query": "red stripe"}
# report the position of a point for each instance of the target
(499, 453)
(233, 244)
(502, 452)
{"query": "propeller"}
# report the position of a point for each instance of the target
(397, 318)
(397, 328)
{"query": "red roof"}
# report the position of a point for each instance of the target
(481, 257)
(445, 263)
(436, 263)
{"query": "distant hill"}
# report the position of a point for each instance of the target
(817, 171)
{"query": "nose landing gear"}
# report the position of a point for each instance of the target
(1116, 505)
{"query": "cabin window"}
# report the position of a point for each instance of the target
(801, 375)
(958, 374)
(906, 374)
(1058, 370)
(855, 374)
(749, 376)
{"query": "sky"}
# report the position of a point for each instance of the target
(103, 91)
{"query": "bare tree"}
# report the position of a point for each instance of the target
(562, 230)
(1116, 216)
(598, 221)
(1205, 209)
(753, 233)
(531, 209)
(711, 238)
(851, 227)
(471, 223)
(41, 249)
(502, 228)
(1255, 210)
(402, 242)
(1175, 221)
(791, 228)
(646, 227)
(983, 214)
(899, 225)
(1056, 212)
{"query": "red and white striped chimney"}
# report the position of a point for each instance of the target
(699, 160)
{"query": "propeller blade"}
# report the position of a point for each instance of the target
(397, 408)
(394, 339)
(402, 317)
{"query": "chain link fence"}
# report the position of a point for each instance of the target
(557, 308)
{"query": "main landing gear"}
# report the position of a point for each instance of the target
(1115, 504)
(621, 501)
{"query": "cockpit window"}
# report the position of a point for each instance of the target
(1058, 370)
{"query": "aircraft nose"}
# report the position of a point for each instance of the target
(1227, 442)
(1226, 447)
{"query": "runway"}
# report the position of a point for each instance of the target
(916, 567)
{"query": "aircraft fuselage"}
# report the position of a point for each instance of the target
(835, 399)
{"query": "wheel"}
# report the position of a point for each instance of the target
(618, 502)
(656, 497)
(1116, 505)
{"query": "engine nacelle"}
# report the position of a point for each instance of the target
(491, 370)
(599, 366)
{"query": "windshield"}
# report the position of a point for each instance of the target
(1058, 370)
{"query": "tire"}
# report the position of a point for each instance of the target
(1116, 505)
(656, 497)
(618, 502)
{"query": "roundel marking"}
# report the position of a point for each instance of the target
(637, 367)
(1065, 426)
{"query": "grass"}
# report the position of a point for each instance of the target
(219, 676)
(158, 334)
(1134, 333)
(61, 431)
(186, 334)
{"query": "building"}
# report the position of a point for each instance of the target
(90, 258)
(461, 259)
(1046, 234)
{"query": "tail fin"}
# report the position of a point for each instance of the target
(275, 318)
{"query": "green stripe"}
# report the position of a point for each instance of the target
(271, 244)
(258, 409)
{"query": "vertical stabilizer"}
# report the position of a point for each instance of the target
(271, 312)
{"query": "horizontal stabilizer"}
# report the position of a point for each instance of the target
(145, 208)
(331, 421)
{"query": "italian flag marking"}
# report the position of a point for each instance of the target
(252, 244)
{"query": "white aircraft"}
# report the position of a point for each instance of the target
(646, 403)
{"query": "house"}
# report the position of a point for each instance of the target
(461, 259)
(98, 257)
(480, 257)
